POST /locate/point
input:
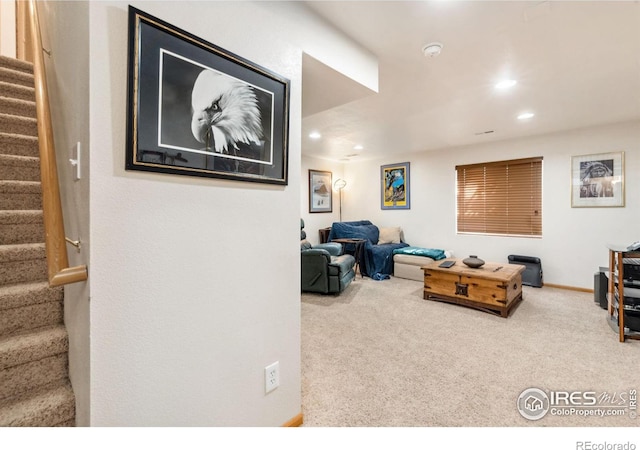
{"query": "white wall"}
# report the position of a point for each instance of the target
(8, 28)
(194, 282)
(315, 221)
(66, 26)
(325, 43)
(574, 240)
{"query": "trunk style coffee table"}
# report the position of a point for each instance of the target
(494, 288)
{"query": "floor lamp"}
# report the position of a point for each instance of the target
(339, 186)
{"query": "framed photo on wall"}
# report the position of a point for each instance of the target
(597, 180)
(199, 110)
(394, 182)
(320, 193)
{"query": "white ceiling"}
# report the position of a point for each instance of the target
(577, 65)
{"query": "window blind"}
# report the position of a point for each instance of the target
(502, 197)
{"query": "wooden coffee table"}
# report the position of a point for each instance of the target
(494, 288)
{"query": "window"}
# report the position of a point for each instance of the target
(502, 197)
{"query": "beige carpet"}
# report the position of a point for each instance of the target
(35, 390)
(380, 356)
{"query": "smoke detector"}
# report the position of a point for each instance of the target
(432, 50)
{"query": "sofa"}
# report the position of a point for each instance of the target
(325, 269)
(377, 258)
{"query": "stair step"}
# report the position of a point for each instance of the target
(17, 144)
(30, 317)
(18, 125)
(22, 263)
(16, 64)
(25, 378)
(26, 294)
(46, 407)
(24, 168)
(19, 77)
(32, 345)
(20, 195)
(21, 227)
(17, 107)
(16, 91)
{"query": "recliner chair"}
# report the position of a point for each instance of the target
(324, 268)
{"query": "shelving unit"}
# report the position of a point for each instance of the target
(620, 288)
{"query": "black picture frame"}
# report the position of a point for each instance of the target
(196, 109)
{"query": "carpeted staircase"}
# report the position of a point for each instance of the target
(34, 378)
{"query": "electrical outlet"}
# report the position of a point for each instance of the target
(271, 377)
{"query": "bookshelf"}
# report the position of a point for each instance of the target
(623, 292)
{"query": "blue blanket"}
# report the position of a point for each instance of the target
(377, 260)
(432, 253)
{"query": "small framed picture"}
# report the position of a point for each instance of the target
(394, 181)
(199, 110)
(597, 180)
(320, 193)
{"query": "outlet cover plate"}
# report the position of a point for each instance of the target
(271, 377)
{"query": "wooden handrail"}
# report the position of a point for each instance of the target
(57, 260)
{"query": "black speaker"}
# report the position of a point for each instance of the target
(532, 275)
(600, 287)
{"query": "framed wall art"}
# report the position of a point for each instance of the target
(394, 180)
(597, 180)
(196, 109)
(320, 193)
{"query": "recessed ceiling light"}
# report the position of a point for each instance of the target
(506, 84)
(358, 147)
(525, 116)
(433, 49)
(315, 135)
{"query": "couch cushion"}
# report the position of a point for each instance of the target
(390, 235)
(413, 260)
(342, 264)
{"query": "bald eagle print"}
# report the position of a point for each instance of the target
(226, 115)
(196, 109)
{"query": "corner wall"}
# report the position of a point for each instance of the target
(574, 240)
(194, 281)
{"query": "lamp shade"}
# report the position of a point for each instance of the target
(339, 184)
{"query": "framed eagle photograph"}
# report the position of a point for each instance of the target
(196, 109)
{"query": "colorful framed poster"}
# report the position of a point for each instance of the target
(394, 180)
